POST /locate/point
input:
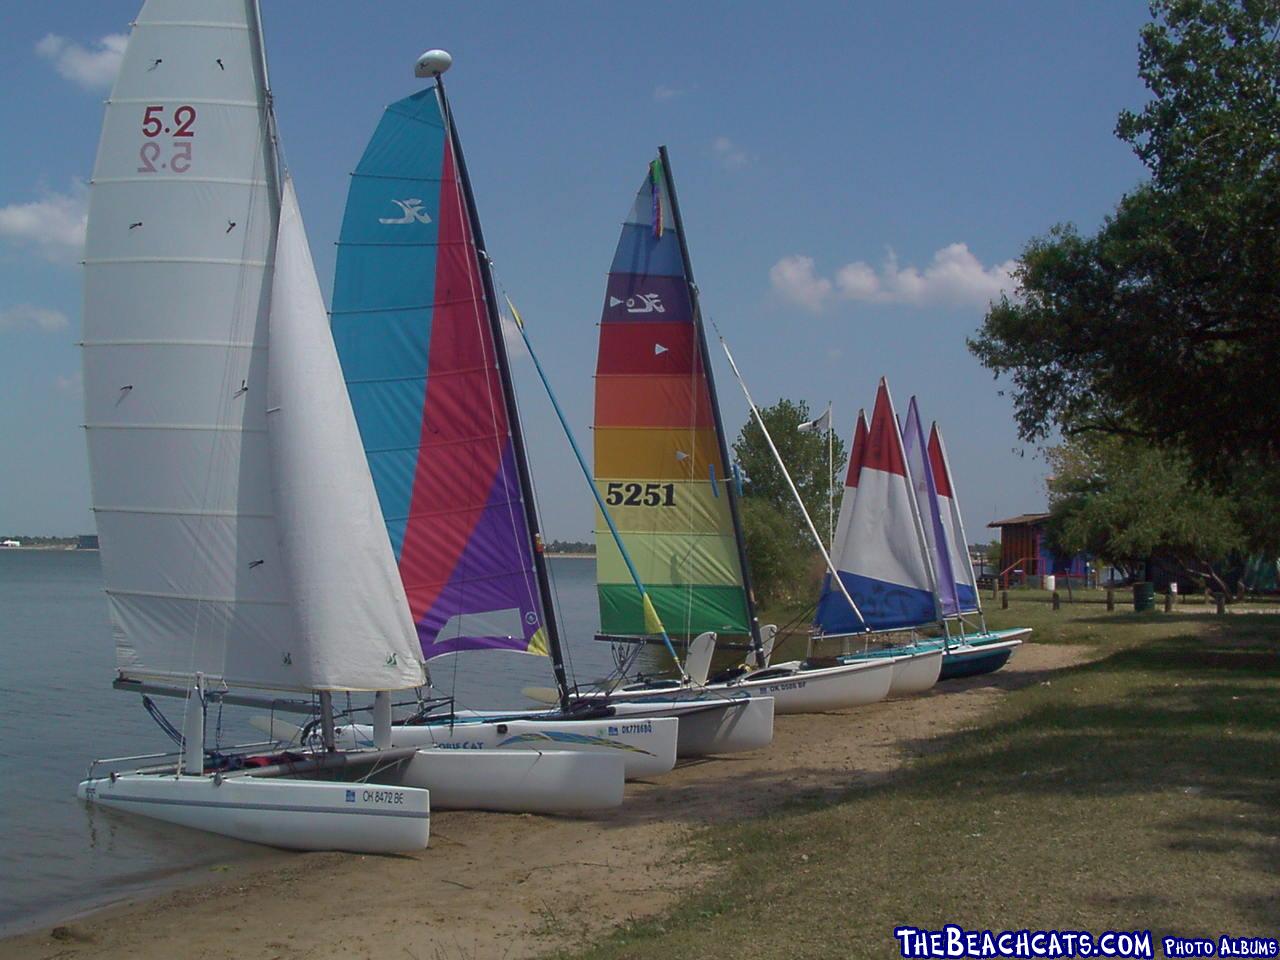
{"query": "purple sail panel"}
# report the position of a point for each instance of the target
(490, 601)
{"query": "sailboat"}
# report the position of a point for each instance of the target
(968, 651)
(886, 586)
(234, 510)
(663, 468)
(419, 335)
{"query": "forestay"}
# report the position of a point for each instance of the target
(658, 462)
(183, 214)
(413, 334)
(878, 547)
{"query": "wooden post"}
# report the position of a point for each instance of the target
(1004, 599)
(1222, 602)
(1111, 600)
(1168, 601)
(1057, 601)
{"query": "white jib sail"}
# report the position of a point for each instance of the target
(350, 606)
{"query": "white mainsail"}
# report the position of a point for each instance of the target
(184, 208)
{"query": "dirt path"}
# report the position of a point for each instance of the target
(505, 886)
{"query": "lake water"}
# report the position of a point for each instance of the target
(59, 857)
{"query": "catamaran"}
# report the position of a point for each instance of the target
(883, 584)
(662, 468)
(419, 334)
(226, 563)
(969, 649)
(241, 538)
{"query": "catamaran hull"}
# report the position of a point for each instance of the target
(712, 727)
(974, 655)
(287, 813)
(708, 725)
(514, 781)
(824, 689)
(793, 689)
(915, 673)
(646, 745)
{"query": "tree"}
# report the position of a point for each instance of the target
(1127, 503)
(1164, 326)
(781, 555)
(804, 453)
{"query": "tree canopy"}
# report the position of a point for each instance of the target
(1164, 325)
(1127, 502)
(804, 453)
(785, 566)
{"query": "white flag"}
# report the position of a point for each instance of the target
(822, 424)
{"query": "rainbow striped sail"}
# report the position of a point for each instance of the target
(417, 347)
(658, 455)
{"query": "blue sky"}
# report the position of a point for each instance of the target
(855, 179)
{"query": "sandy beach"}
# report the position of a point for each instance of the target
(494, 885)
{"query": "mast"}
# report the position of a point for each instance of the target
(513, 413)
(705, 356)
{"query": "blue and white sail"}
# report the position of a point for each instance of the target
(879, 548)
(935, 533)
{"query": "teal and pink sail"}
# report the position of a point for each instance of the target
(878, 549)
(966, 582)
(929, 508)
(418, 352)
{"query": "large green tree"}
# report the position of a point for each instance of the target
(1164, 325)
(785, 565)
(1127, 502)
(804, 453)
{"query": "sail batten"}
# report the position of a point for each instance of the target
(658, 461)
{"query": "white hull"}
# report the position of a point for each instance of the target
(794, 690)
(716, 726)
(823, 689)
(514, 781)
(278, 812)
(647, 746)
(915, 673)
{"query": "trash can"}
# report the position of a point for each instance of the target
(1144, 597)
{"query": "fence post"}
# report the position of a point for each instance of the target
(1111, 599)
(1004, 599)
(1168, 601)
(1057, 601)
(1222, 602)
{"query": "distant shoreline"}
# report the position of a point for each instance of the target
(573, 556)
(47, 547)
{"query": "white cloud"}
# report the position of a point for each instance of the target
(54, 225)
(954, 277)
(730, 154)
(663, 92)
(93, 67)
(26, 316)
(795, 279)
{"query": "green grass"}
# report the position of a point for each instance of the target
(1140, 790)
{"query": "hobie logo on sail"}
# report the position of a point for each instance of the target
(412, 212)
(640, 303)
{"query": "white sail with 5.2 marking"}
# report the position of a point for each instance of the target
(187, 475)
